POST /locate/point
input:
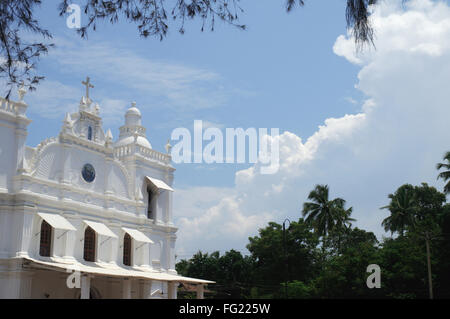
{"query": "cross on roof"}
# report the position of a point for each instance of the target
(88, 85)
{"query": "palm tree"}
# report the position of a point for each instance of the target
(345, 221)
(445, 175)
(403, 208)
(343, 224)
(329, 218)
(324, 214)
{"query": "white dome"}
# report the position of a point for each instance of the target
(133, 129)
(133, 111)
(141, 141)
(133, 116)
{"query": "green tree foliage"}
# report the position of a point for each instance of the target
(418, 212)
(344, 275)
(298, 290)
(445, 175)
(404, 267)
(329, 218)
(277, 261)
(323, 214)
(441, 252)
(403, 207)
(232, 272)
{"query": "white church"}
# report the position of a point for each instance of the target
(84, 216)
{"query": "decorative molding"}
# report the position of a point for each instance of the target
(38, 152)
(85, 143)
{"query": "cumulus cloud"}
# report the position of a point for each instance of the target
(398, 136)
(211, 214)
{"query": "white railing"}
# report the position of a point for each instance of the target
(8, 106)
(140, 130)
(152, 154)
(148, 153)
(122, 151)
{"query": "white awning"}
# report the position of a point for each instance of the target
(100, 228)
(159, 183)
(137, 235)
(57, 221)
(106, 269)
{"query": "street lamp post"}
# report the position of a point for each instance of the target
(285, 256)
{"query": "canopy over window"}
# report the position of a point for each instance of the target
(106, 269)
(157, 183)
(100, 228)
(57, 221)
(137, 235)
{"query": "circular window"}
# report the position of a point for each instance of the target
(88, 173)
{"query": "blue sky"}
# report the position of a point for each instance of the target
(279, 73)
(363, 123)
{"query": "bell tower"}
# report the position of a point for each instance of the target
(13, 132)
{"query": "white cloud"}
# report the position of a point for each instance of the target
(121, 76)
(398, 137)
(53, 99)
(199, 208)
(351, 100)
(167, 84)
(112, 110)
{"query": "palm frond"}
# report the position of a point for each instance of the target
(442, 165)
(444, 175)
(447, 188)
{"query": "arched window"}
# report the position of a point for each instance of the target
(90, 133)
(150, 208)
(89, 244)
(46, 239)
(127, 250)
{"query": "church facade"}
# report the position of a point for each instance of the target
(83, 215)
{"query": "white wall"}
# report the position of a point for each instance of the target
(7, 154)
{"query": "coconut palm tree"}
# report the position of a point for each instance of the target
(445, 175)
(345, 221)
(329, 218)
(403, 208)
(325, 214)
(343, 224)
